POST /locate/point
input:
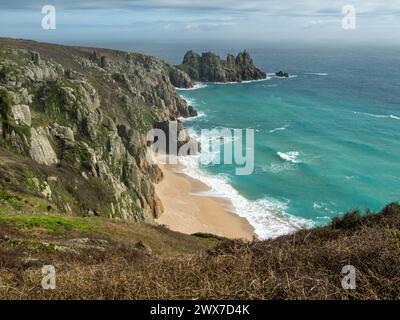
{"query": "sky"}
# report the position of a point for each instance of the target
(104, 22)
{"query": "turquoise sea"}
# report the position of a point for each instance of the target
(327, 139)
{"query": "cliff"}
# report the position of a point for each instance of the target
(75, 120)
(209, 67)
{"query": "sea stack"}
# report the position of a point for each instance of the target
(209, 67)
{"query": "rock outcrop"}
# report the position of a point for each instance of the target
(209, 67)
(40, 148)
(180, 79)
(282, 74)
(83, 115)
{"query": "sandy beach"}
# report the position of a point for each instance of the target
(186, 212)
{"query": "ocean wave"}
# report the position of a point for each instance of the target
(267, 216)
(199, 115)
(273, 75)
(199, 85)
(275, 167)
(317, 73)
(279, 129)
(381, 116)
(291, 156)
(242, 82)
(189, 101)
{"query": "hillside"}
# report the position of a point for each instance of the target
(99, 258)
(77, 192)
(82, 115)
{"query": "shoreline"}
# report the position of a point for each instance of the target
(187, 212)
(200, 84)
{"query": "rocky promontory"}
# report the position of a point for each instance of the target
(209, 67)
(74, 124)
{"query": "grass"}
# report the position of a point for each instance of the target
(99, 258)
(29, 176)
(8, 199)
(304, 265)
(54, 224)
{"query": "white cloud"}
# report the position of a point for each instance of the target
(255, 19)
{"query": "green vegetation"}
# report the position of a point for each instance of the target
(33, 182)
(29, 178)
(55, 224)
(78, 155)
(8, 199)
(53, 102)
(5, 102)
(103, 131)
(97, 257)
(151, 262)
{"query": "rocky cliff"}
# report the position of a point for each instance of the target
(209, 67)
(81, 116)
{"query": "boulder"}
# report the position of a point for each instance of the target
(180, 79)
(40, 148)
(21, 114)
(282, 74)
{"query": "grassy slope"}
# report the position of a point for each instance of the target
(98, 258)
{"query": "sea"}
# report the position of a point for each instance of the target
(326, 139)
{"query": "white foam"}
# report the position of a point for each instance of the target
(199, 115)
(317, 205)
(279, 129)
(291, 76)
(267, 216)
(381, 116)
(242, 82)
(198, 85)
(289, 156)
(275, 167)
(317, 73)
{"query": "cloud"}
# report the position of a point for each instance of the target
(241, 7)
(222, 19)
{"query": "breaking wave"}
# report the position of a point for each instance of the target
(291, 156)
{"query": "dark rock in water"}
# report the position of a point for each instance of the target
(209, 67)
(192, 112)
(282, 74)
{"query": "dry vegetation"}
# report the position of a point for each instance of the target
(99, 258)
(96, 258)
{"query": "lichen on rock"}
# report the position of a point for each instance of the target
(83, 115)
